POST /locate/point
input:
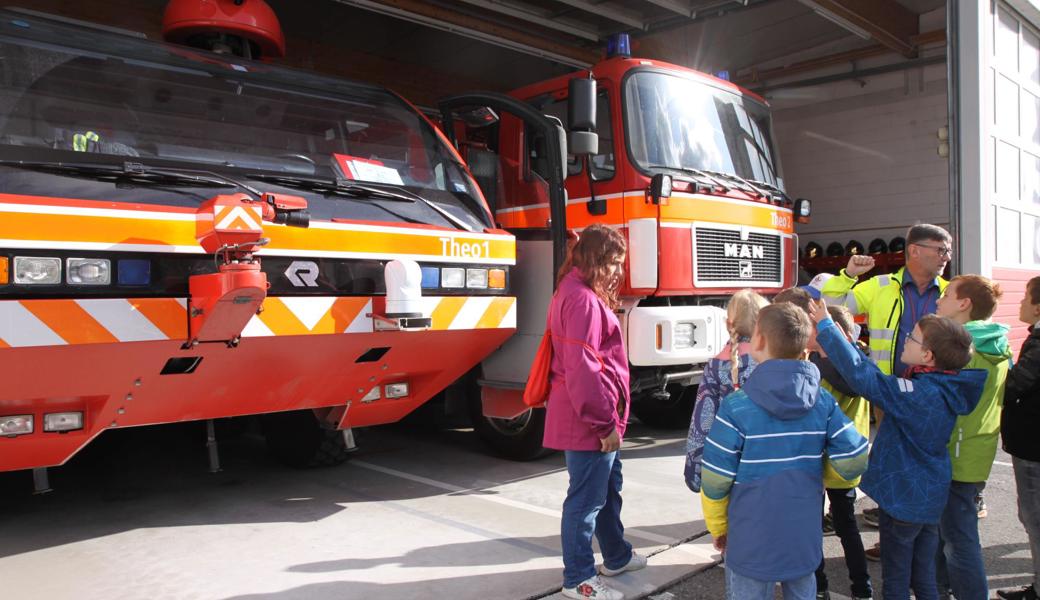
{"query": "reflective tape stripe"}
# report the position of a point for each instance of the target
(882, 334)
(880, 355)
(884, 280)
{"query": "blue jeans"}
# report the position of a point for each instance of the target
(959, 567)
(593, 505)
(739, 587)
(907, 558)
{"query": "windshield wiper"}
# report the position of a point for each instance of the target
(356, 189)
(131, 172)
(701, 177)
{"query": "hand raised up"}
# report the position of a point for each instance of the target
(818, 311)
(859, 264)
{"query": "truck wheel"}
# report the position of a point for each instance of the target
(519, 438)
(296, 439)
(666, 411)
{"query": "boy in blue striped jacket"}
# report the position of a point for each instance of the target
(762, 479)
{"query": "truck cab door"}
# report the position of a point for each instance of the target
(517, 155)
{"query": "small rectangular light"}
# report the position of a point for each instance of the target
(682, 336)
(497, 279)
(3, 270)
(453, 277)
(372, 395)
(88, 271)
(396, 390)
(63, 421)
(37, 270)
(134, 271)
(16, 425)
(431, 277)
(477, 278)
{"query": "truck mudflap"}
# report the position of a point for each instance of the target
(123, 363)
(675, 335)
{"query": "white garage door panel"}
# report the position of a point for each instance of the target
(1014, 148)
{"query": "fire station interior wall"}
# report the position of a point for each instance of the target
(865, 150)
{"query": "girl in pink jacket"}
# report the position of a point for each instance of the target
(587, 411)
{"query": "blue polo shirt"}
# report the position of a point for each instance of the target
(915, 306)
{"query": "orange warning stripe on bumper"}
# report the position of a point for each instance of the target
(25, 323)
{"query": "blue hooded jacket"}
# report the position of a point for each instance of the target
(762, 481)
(909, 472)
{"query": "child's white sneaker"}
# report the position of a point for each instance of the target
(592, 588)
(638, 561)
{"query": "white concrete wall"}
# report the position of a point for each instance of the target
(867, 156)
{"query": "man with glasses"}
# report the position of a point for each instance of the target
(895, 302)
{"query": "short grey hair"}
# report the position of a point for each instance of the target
(926, 232)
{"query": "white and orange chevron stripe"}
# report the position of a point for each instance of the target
(25, 323)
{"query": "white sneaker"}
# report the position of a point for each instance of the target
(592, 588)
(638, 561)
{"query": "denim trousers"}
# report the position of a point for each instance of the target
(843, 515)
(592, 506)
(907, 558)
(1027, 482)
(739, 587)
(959, 567)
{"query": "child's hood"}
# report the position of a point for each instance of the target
(960, 390)
(786, 389)
(990, 339)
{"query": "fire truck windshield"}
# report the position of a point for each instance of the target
(73, 94)
(683, 123)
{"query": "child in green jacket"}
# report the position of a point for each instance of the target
(971, 300)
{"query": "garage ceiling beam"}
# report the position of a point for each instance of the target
(613, 13)
(526, 15)
(424, 13)
(679, 8)
(885, 21)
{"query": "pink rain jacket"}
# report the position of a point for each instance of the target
(589, 395)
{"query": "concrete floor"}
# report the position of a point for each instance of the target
(411, 515)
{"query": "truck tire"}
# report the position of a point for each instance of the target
(666, 412)
(296, 439)
(516, 439)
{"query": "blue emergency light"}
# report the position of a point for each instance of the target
(431, 277)
(134, 271)
(619, 44)
(723, 75)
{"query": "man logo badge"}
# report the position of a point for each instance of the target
(746, 270)
(302, 273)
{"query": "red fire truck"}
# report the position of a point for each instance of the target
(685, 166)
(188, 233)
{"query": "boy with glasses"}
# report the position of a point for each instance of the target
(908, 473)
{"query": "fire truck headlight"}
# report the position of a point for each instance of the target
(36, 270)
(89, 271)
(452, 277)
(477, 278)
(396, 390)
(682, 336)
(64, 421)
(16, 425)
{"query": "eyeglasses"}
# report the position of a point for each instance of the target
(944, 251)
(910, 338)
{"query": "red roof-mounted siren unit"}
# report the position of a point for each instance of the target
(244, 28)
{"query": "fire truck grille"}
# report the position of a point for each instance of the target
(723, 259)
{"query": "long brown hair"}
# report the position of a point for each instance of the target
(597, 247)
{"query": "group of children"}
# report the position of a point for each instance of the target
(782, 419)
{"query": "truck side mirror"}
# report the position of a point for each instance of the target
(802, 210)
(660, 187)
(581, 116)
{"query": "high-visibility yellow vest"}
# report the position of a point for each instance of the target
(881, 299)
